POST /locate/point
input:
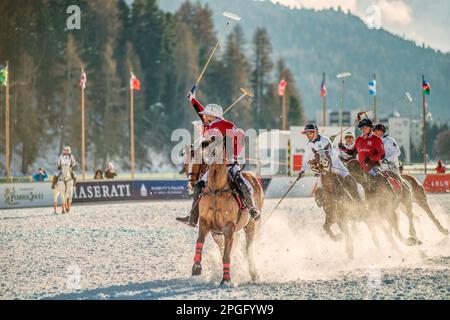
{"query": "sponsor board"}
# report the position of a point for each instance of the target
(103, 191)
(21, 195)
(160, 190)
(437, 183)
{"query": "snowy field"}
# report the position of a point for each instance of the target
(139, 251)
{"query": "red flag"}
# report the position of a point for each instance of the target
(323, 89)
(135, 83)
(282, 87)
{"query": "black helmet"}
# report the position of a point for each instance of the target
(366, 122)
(380, 126)
(310, 127)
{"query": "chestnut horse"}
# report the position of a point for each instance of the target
(220, 213)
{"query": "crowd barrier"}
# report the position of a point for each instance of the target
(22, 195)
(437, 183)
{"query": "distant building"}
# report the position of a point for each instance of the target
(416, 133)
(399, 128)
(349, 118)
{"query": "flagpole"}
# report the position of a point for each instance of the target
(324, 103)
(284, 111)
(83, 137)
(424, 132)
(375, 101)
(342, 107)
(132, 130)
(7, 131)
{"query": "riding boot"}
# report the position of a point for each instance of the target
(248, 199)
(54, 181)
(192, 218)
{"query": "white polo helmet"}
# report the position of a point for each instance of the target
(349, 134)
(213, 110)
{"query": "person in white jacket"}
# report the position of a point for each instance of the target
(318, 142)
(66, 158)
(392, 151)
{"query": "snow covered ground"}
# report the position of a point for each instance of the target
(139, 251)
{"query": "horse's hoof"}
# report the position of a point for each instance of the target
(411, 241)
(445, 232)
(338, 237)
(226, 283)
(196, 269)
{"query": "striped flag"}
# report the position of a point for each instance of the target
(83, 80)
(135, 84)
(373, 88)
(282, 87)
(426, 87)
(3, 75)
(323, 89)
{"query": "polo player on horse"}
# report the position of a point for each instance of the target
(349, 138)
(215, 124)
(370, 150)
(319, 142)
(66, 158)
(390, 162)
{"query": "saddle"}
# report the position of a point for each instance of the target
(236, 193)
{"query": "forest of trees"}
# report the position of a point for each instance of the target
(166, 52)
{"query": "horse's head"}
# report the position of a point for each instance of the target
(322, 161)
(213, 150)
(355, 170)
(193, 164)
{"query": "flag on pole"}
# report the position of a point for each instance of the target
(373, 88)
(426, 87)
(282, 87)
(323, 89)
(3, 75)
(83, 80)
(135, 84)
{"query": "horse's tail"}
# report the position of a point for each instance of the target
(258, 191)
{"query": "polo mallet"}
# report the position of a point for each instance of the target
(284, 196)
(342, 76)
(230, 16)
(246, 92)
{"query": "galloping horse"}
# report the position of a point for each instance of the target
(221, 214)
(335, 197)
(64, 187)
(382, 200)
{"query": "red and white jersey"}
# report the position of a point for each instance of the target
(227, 129)
(370, 147)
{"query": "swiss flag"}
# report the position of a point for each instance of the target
(282, 87)
(134, 83)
